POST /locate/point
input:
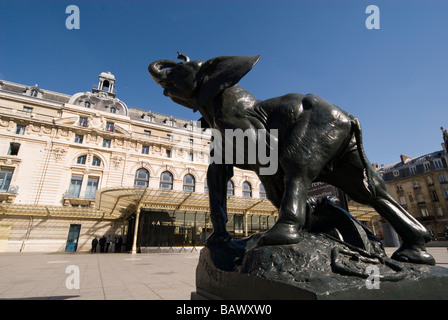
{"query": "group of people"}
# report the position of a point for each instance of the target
(106, 243)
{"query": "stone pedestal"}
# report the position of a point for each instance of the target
(311, 269)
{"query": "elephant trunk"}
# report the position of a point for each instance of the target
(156, 70)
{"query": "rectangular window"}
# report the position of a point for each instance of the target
(106, 143)
(147, 132)
(445, 193)
(169, 137)
(145, 149)
(434, 196)
(13, 149)
(79, 138)
(75, 187)
(439, 212)
(442, 178)
(92, 186)
(190, 156)
(424, 212)
(83, 121)
(110, 126)
(168, 153)
(27, 109)
(5, 178)
(438, 164)
(20, 129)
(413, 170)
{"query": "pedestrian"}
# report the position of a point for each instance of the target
(102, 243)
(107, 243)
(94, 244)
(112, 244)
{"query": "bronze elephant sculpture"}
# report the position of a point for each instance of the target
(316, 141)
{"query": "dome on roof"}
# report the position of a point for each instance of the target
(107, 75)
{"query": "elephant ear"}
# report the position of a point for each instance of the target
(220, 73)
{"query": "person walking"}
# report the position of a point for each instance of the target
(94, 244)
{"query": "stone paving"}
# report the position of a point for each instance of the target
(109, 276)
(102, 276)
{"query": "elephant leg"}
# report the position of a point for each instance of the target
(413, 234)
(349, 176)
(217, 177)
(292, 214)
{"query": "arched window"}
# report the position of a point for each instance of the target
(247, 190)
(166, 180)
(141, 178)
(262, 191)
(96, 161)
(81, 159)
(87, 104)
(189, 183)
(113, 110)
(34, 93)
(230, 188)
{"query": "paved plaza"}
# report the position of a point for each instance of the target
(109, 276)
(102, 276)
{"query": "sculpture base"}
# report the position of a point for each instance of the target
(241, 270)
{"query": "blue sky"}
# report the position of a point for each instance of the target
(393, 79)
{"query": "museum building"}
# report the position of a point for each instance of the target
(75, 167)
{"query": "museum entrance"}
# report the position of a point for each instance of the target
(169, 229)
(188, 229)
(156, 229)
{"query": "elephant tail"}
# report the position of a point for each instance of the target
(356, 128)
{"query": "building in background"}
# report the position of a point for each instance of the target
(75, 167)
(420, 185)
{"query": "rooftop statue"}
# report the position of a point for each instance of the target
(316, 141)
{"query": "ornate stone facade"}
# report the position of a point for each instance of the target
(58, 150)
(420, 185)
